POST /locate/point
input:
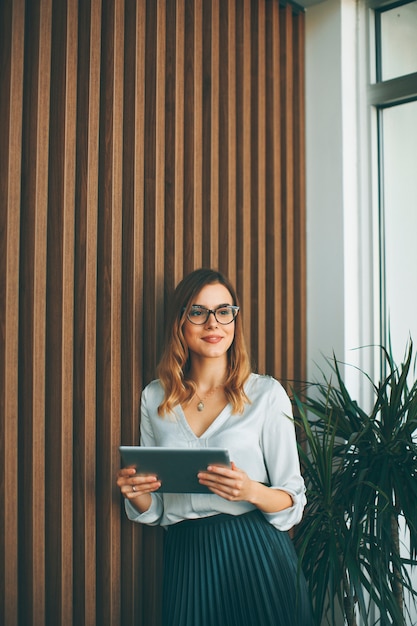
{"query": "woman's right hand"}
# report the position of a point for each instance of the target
(137, 488)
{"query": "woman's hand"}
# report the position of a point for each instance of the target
(235, 485)
(137, 488)
(230, 483)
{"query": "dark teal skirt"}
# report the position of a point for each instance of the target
(230, 570)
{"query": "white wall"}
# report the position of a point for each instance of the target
(330, 252)
(340, 295)
(325, 246)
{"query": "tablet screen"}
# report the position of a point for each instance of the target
(176, 468)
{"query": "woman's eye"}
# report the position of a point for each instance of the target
(196, 312)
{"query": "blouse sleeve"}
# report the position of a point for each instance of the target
(154, 514)
(281, 457)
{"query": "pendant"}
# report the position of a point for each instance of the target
(200, 406)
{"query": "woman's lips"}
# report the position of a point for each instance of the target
(212, 339)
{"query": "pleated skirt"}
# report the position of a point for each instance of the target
(230, 570)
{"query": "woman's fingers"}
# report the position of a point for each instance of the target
(220, 474)
(132, 485)
(230, 483)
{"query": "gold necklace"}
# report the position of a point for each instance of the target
(201, 405)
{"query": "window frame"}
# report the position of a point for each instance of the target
(382, 95)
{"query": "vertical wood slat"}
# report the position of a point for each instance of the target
(139, 574)
(109, 313)
(160, 152)
(275, 302)
(222, 151)
(66, 575)
(231, 237)
(36, 527)
(198, 133)
(106, 279)
(156, 137)
(11, 104)
(153, 295)
(59, 314)
(32, 313)
(299, 190)
(85, 307)
(261, 200)
(188, 141)
(244, 248)
(287, 189)
(114, 426)
(131, 597)
(179, 149)
(212, 221)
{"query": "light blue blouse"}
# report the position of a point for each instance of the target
(261, 441)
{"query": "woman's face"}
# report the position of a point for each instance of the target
(211, 339)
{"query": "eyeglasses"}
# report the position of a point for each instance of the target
(224, 314)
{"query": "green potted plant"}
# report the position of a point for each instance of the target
(360, 469)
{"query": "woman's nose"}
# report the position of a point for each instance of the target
(211, 320)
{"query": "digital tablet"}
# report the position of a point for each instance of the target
(176, 468)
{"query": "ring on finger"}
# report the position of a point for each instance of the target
(134, 488)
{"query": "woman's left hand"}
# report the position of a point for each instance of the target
(230, 483)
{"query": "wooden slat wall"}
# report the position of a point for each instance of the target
(138, 140)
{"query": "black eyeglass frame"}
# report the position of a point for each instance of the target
(233, 307)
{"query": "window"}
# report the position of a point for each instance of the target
(393, 94)
(396, 41)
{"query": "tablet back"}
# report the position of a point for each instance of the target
(176, 468)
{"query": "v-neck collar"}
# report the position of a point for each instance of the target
(216, 424)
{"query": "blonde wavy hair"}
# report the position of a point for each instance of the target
(174, 365)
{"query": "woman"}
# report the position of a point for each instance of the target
(228, 560)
